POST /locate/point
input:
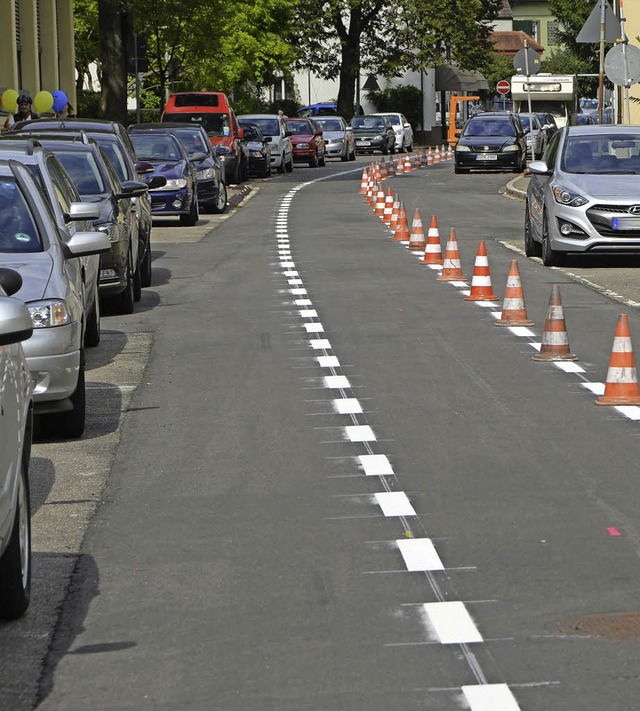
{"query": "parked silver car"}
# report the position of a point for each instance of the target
(275, 130)
(70, 213)
(49, 263)
(535, 137)
(583, 197)
(15, 450)
(402, 129)
(338, 137)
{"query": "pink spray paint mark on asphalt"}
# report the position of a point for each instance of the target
(613, 531)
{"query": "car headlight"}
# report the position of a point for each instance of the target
(205, 174)
(379, 137)
(511, 148)
(568, 197)
(338, 141)
(174, 184)
(256, 154)
(461, 149)
(46, 314)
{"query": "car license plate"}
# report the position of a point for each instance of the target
(486, 156)
(363, 143)
(626, 223)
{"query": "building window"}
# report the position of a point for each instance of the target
(552, 34)
(530, 27)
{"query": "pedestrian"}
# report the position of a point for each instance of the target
(24, 112)
(281, 113)
(67, 112)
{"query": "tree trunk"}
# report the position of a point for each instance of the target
(114, 25)
(350, 66)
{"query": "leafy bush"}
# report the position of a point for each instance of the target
(402, 99)
(89, 105)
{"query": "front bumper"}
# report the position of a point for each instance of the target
(597, 227)
(487, 161)
(303, 155)
(364, 145)
(53, 359)
(113, 269)
(335, 150)
(207, 191)
(170, 202)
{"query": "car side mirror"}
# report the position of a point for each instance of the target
(288, 133)
(83, 211)
(457, 134)
(197, 157)
(143, 166)
(539, 167)
(10, 281)
(241, 134)
(317, 133)
(268, 139)
(135, 188)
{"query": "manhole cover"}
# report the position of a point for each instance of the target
(623, 626)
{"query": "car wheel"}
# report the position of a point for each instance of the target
(353, 154)
(70, 424)
(457, 170)
(347, 156)
(236, 179)
(410, 148)
(289, 165)
(392, 149)
(220, 205)
(315, 162)
(194, 215)
(92, 331)
(15, 564)
(385, 150)
(550, 257)
(266, 173)
(123, 303)
(531, 247)
(322, 161)
(145, 267)
(245, 170)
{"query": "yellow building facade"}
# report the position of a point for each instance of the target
(37, 51)
(632, 30)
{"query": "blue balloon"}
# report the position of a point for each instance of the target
(59, 100)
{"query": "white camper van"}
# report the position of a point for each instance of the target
(549, 93)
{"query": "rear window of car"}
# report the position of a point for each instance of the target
(328, 124)
(300, 128)
(18, 230)
(192, 140)
(155, 146)
(268, 126)
(367, 122)
(214, 124)
(83, 170)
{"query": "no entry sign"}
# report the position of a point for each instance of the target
(503, 87)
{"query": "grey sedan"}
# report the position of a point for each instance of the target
(338, 137)
(49, 263)
(585, 196)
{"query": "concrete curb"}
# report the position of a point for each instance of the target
(237, 195)
(513, 191)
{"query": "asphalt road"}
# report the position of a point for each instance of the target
(318, 478)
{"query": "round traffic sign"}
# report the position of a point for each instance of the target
(503, 87)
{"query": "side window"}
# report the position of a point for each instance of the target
(112, 176)
(64, 192)
(552, 150)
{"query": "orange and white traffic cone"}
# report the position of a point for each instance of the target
(436, 155)
(449, 152)
(416, 161)
(514, 312)
(363, 184)
(433, 249)
(621, 387)
(452, 270)
(400, 166)
(417, 240)
(394, 215)
(407, 163)
(383, 170)
(391, 170)
(555, 340)
(379, 205)
(402, 228)
(372, 191)
(481, 280)
(388, 207)
(429, 156)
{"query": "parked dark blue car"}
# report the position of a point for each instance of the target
(212, 191)
(169, 159)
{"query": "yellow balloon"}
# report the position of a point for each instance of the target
(43, 102)
(10, 100)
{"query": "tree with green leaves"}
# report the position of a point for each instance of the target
(340, 39)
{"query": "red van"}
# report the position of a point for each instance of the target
(211, 110)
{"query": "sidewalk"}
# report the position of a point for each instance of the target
(517, 188)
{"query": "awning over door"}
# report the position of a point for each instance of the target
(452, 78)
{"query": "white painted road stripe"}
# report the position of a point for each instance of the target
(336, 382)
(347, 406)
(321, 344)
(328, 362)
(419, 554)
(568, 367)
(490, 697)
(313, 327)
(452, 622)
(376, 464)
(308, 313)
(360, 433)
(596, 388)
(395, 503)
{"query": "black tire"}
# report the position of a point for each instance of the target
(194, 214)
(15, 564)
(410, 148)
(220, 205)
(123, 303)
(531, 247)
(459, 171)
(245, 170)
(145, 267)
(347, 156)
(392, 149)
(289, 166)
(92, 330)
(550, 258)
(236, 178)
(385, 150)
(322, 161)
(315, 162)
(281, 167)
(266, 173)
(70, 424)
(353, 154)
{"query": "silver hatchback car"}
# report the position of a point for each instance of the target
(584, 195)
(48, 261)
(338, 137)
(15, 450)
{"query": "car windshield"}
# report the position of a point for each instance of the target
(330, 124)
(114, 154)
(589, 104)
(484, 127)
(393, 120)
(192, 140)
(84, 171)
(602, 154)
(268, 126)
(155, 147)
(214, 124)
(529, 123)
(300, 128)
(18, 231)
(367, 122)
